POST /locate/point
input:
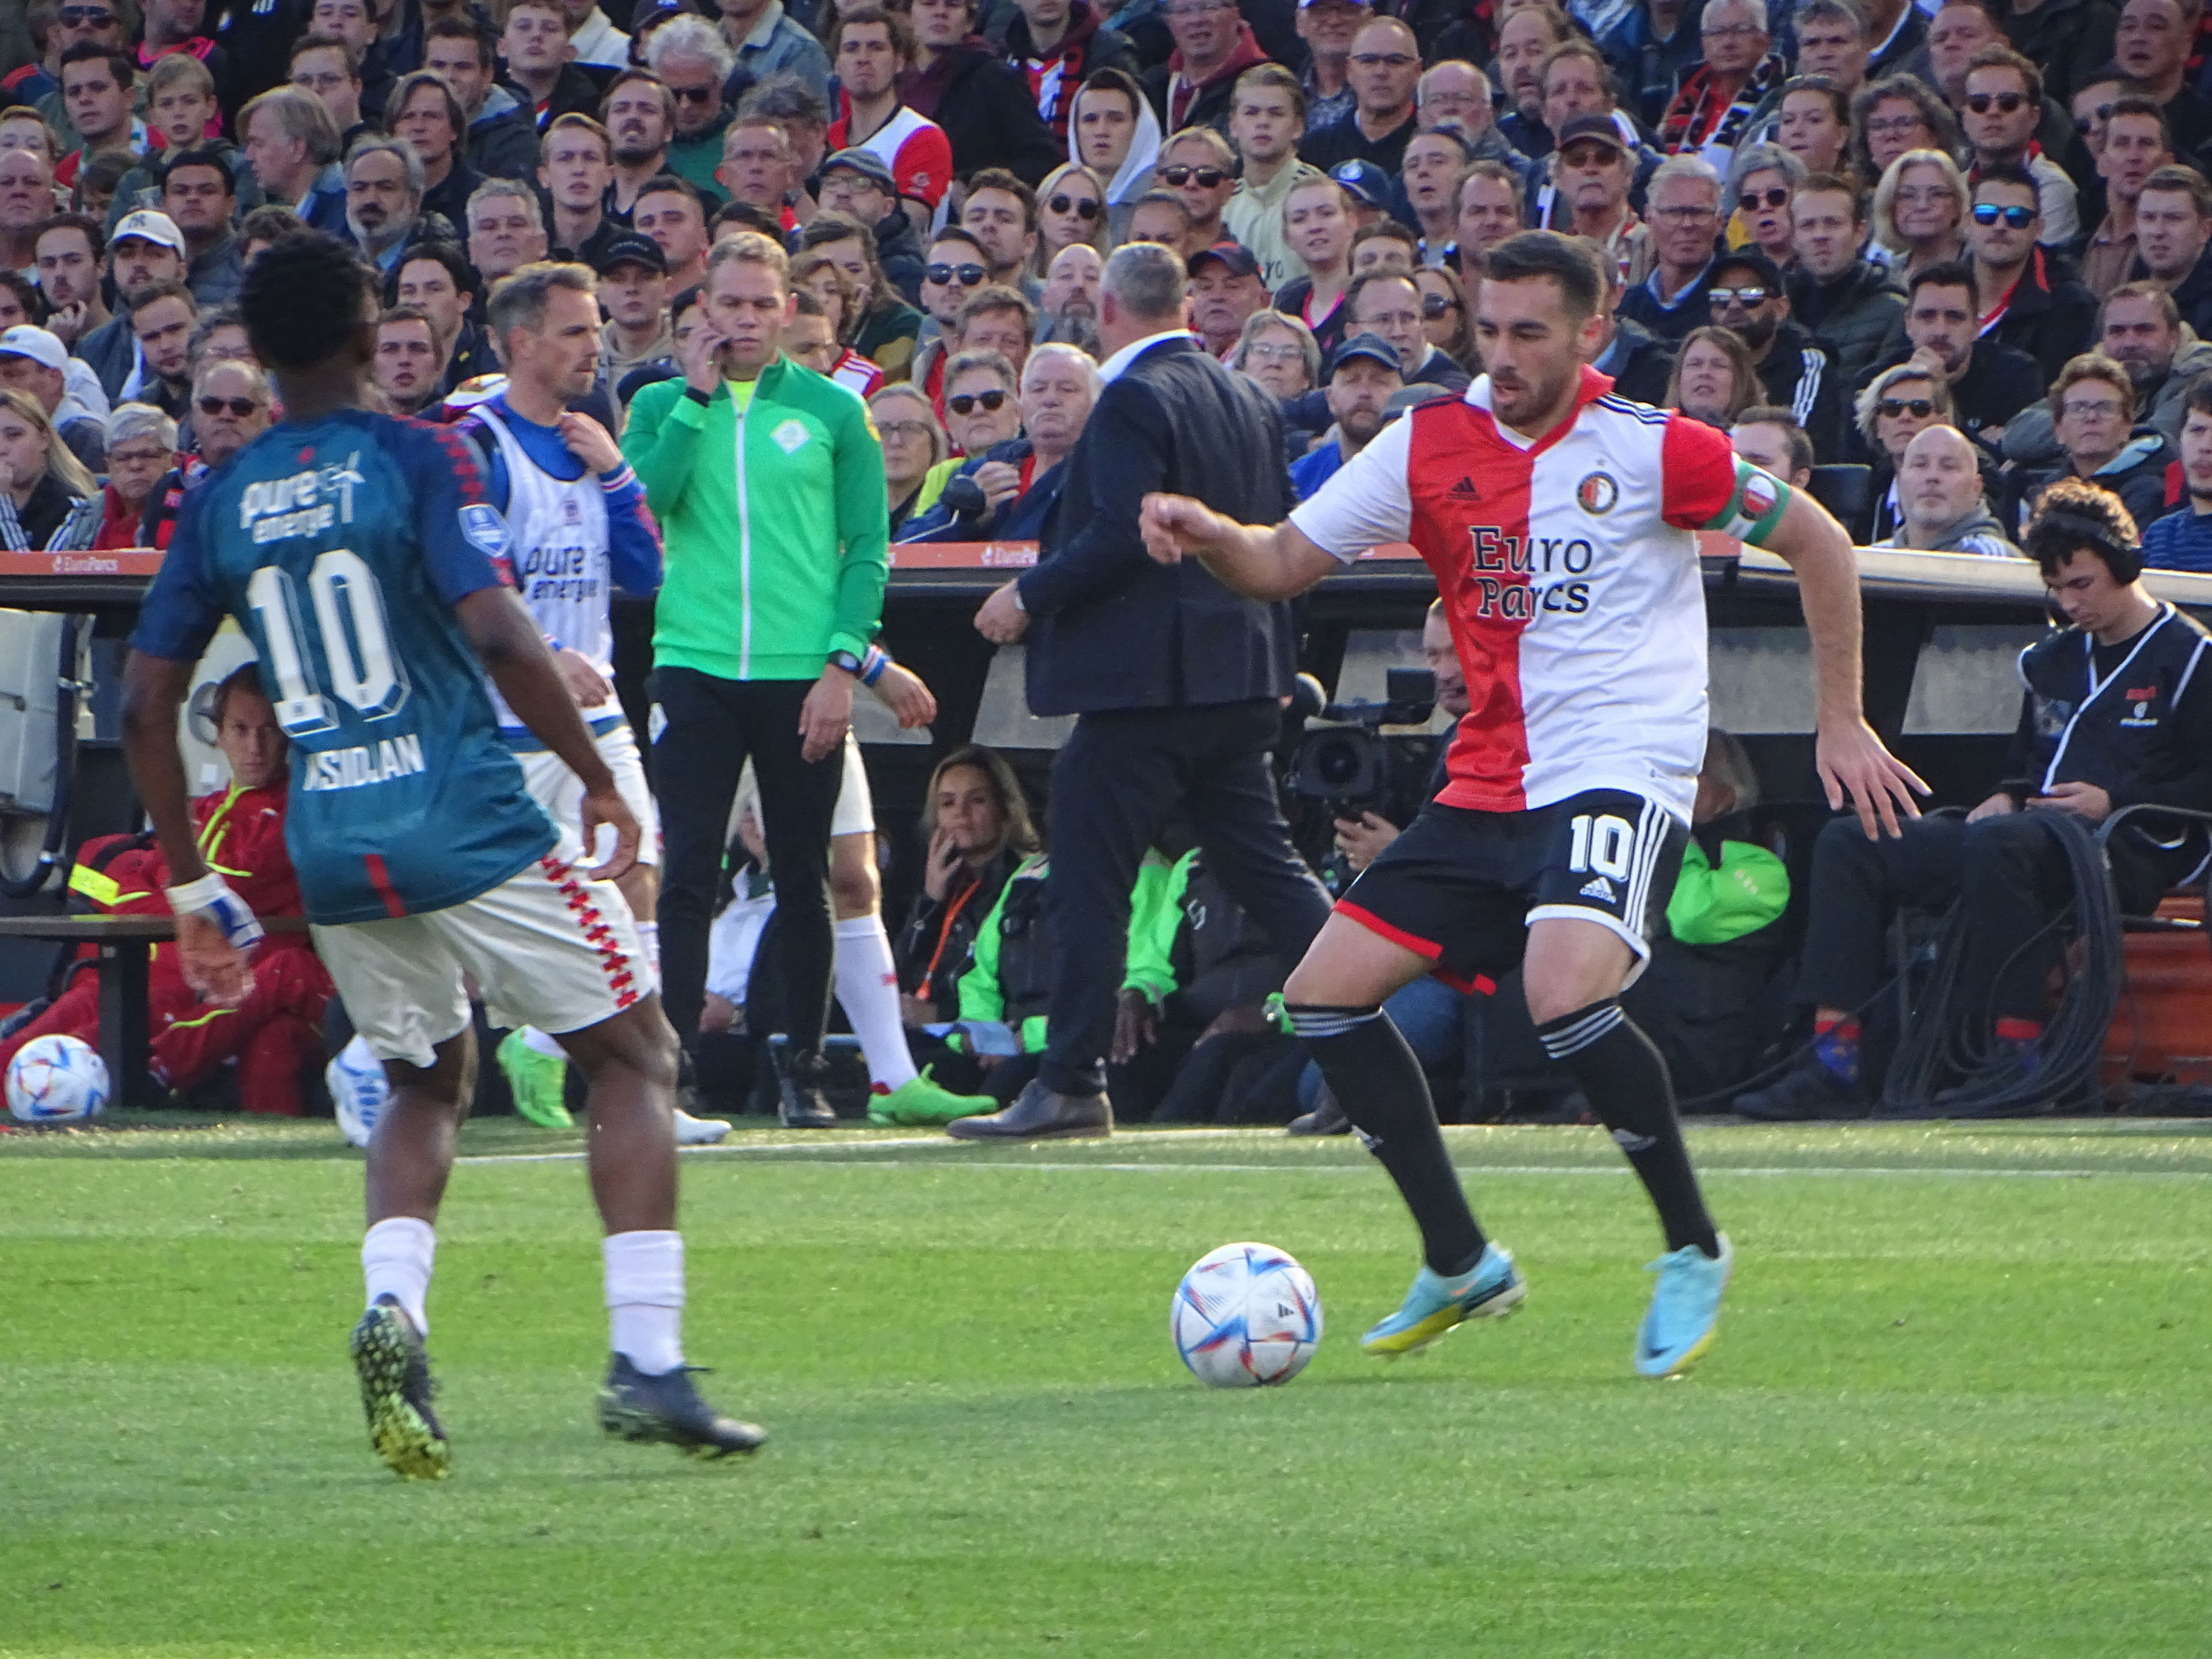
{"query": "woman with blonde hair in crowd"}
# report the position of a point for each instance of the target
(912, 442)
(1919, 214)
(1714, 380)
(1071, 209)
(41, 483)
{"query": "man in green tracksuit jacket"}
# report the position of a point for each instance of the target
(767, 483)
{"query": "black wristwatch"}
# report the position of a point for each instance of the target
(846, 660)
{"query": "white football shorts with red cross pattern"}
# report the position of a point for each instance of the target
(547, 947)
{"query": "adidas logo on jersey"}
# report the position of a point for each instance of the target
(1598, 888)
(1464, 490)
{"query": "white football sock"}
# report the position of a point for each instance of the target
(395, 1261)
(358, 1056)
(645, 1298)
(867, 990)
(538, 1043)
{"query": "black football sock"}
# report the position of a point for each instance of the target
(1379, 1083)
(1626, 1078)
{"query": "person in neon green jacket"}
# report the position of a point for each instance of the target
(767, 482)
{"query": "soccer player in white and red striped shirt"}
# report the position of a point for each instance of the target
(1559, 522)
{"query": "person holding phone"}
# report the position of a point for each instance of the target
(978, 827)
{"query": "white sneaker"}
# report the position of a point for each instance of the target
(698, 1130)
(359, 1095)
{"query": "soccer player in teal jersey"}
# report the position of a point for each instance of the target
(359, 554)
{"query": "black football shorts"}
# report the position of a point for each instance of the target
(1460, 887)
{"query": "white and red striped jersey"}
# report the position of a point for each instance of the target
(914, 147)
(857, 374)
(1569, 571)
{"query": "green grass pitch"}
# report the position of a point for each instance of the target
(1958, 1406)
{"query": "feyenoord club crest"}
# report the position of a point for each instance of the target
(1597, 493)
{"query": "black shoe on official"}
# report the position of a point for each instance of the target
(1807, 1092)
(395, 1392)
(1326, 1117)
(667, 1410)
(800, 1102)
(1041, 1113)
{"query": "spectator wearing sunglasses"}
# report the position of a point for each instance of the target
(981, 410)
(231, 406)
(2027, 300)
(1056, 44)
(1019, 481)
(1897, 405)
(2097, 414)
(1748, 298)
(1760, 187)
(952, 272)
(1385, 69)
(1071, 213)
(1199, 165)
(2002, 109)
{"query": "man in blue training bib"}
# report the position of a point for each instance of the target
(360, 555)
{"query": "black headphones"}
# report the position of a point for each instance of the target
(2123, 559)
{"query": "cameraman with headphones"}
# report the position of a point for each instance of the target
(2117, 712)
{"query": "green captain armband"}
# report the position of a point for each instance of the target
(1754, 507)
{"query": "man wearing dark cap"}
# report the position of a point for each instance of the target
(857, 183)
(1587, 194)
(1369, 189)
(1225, 289)
(1362, 380)
(632, 275)
(1749, 297)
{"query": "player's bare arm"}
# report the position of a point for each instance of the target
(507, 641)
(1850, 759)
(153, 691)
(1260, 562)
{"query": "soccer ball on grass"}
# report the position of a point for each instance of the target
(57, 1079)
(1245, 1316)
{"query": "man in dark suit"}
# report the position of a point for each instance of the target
(1175, 679)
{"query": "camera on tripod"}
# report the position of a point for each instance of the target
(1347, 764)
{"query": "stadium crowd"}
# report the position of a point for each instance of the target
(1966, 247)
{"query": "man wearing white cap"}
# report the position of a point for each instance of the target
(147, 248)
(32, 361)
